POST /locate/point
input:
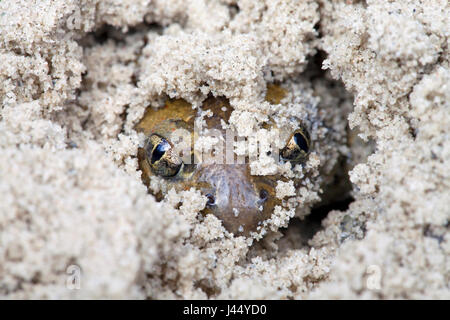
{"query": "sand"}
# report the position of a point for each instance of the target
(372, 79)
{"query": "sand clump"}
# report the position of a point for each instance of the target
(76, 77)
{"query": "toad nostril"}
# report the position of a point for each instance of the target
(263, 194)
(211, 200)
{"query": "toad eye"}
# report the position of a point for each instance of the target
(161, 156)
(298, 146)
(159, 151)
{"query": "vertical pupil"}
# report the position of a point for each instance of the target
(159, 151)
(301, 141)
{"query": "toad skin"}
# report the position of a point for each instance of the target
(240, 200)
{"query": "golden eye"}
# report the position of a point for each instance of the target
(161, 156)
(298, 146)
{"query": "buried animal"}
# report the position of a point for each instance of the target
(242, 201)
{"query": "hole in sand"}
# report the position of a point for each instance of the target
(337, 191)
